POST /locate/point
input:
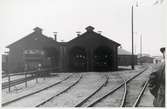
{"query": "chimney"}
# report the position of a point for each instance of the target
(78, 33)
(38, 30)
(55, 36)
(89, 28)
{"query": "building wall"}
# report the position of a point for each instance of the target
(33, 51)
(90, 54)
(94, 46)
(4, 61)
(18, 61)
(125, 60)
(146, 59)
(15, 60)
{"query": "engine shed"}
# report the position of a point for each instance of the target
(89, 51)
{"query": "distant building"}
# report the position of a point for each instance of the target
(125, 58)
(145, 59)
(157, 59)
(143, 54)
(89, 51)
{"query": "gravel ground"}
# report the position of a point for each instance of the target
(88, 84)
(114, 80)
(42, 96)
(32, 87)
(147, 96)
(78, 92)
(113, 100)
(135, 86)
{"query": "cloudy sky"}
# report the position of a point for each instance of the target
(112, 17)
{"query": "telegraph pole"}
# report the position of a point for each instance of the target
(140, 48)
(132, 57)
(141, 45)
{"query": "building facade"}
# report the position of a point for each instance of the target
(29, 53)
(89, 51)
(146, 59)
(125, 58)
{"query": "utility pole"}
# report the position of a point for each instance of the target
(141, 45)
(132, 57)
(140, 48)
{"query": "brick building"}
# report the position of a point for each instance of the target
(90, 51)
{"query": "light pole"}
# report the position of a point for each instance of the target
(132, 57)
(140, 48)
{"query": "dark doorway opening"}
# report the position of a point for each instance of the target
(102, 59)
(78, 59)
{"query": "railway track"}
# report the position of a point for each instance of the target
(35, 92)
(98, 89)
(139, 97)
(136, 101)
(135, 104)
(140, 94)
(104, 88)
(96, 101)
(65, 90)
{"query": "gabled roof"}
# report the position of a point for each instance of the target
(37, 34)
(94, 34)
(146, 57)
(123, 52)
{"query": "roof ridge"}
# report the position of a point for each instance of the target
(25, 37)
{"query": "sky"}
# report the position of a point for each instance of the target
(112, 17)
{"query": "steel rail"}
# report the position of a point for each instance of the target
(140, 94)
(19, 98)
(124, 95)
(125, 92)
(98, 89)
(115, 89)
(42, 103)
(144, 87)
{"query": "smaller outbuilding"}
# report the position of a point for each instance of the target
(146, 59)
(125, 58)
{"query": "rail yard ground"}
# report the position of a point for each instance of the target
(82, 90)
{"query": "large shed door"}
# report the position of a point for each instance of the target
(78, 59)
(103, 59)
